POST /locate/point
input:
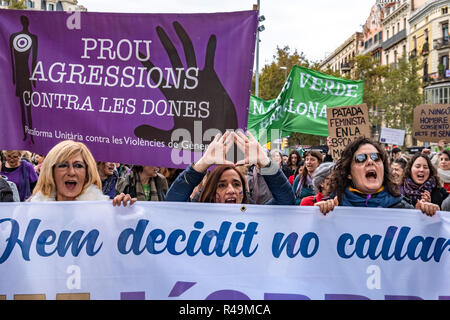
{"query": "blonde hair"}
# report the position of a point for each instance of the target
(62, 152)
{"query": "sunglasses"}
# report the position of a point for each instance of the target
(362, 157)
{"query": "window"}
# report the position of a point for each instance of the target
(375, 39)
(387, 59)
(387, 34)
(404, 23)
(445, 32)
(398, 26)
(59, 6)
(30, 4)
(444, 10)
(380, 36)
(43, 5)
(51, 7)
(444, 61)
(393, 30)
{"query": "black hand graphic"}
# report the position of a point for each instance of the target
(222, 114)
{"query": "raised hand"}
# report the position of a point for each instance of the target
(216, 152)
(254, 153)
(209, 91)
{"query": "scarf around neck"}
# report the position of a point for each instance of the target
(414, 191)
(381, 199)
(444, 175)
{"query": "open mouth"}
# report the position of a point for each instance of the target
(420, 176)
(371, 174)
(70, 184)
(230, 200)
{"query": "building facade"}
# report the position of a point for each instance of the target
(48, 5)
(340, 60)
(395, 31)
(429, 39)
(373, 33)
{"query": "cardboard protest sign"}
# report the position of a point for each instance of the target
(345, 124)
(432, 122)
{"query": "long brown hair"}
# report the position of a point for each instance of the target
(433, 171)
(339, 177)
(304, 173)
(210, 187)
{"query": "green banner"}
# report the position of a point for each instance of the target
(302, 104)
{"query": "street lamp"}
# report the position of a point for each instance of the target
(285, 71)
(260, 29)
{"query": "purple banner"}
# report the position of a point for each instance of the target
(150, 89)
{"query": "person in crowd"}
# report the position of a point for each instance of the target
(285, 157)
(20, 172)
(396, 154)
(398, 167)
(303, 186)
(446, 204)
(328, 156)
(321, 184)
(38, 159)
(226, 184)
(109, 177)
(294, 163)
(144, 183)
(421, 181)
(27, 156)
(361, 178)
(170, 174)
(12, 186)
(277, 158)
(443, 170)
(6, 193)
(441, 161)
(68, 173)
(257, 187)
(122, 169)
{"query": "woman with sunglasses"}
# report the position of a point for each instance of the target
(68, 173)
(421, 182)
(362, 178)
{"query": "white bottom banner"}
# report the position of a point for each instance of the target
(196, 251)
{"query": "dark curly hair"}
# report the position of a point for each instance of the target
(339, 177)
(433, 171)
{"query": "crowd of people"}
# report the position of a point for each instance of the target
(364, 176)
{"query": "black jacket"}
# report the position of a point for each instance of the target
(6, 194)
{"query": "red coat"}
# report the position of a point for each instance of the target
(311, 200)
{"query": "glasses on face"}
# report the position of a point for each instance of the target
(65, 166)
(362, 157)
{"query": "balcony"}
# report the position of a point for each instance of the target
(399, 36)
(345, 67)
(441, 43)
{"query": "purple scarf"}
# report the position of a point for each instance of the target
(413, 191)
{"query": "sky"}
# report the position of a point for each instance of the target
(314, 27)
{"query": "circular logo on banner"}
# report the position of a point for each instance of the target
(22, 42)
